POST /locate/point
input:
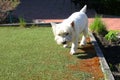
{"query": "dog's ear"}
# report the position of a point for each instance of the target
(72, 24)
(53, 27)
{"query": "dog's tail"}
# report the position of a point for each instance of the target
(84, 9)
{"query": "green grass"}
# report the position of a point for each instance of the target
(22, 22)
(32, 54)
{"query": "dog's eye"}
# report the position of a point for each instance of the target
(66, 34)
(59, 34)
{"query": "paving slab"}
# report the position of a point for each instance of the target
(111, 23)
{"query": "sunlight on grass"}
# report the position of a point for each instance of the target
(32, 54)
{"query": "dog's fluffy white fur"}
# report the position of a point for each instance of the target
(70, 29)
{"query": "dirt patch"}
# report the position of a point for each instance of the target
(91, 66)
(88, 62)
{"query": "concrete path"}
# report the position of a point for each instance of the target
(111, 23)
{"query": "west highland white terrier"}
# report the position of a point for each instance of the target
(70, 29)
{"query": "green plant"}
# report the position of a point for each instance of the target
(22, 22)
(98, 26)
(111, 36)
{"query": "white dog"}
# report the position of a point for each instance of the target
(69, 30)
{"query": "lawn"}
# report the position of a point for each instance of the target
(32, 54)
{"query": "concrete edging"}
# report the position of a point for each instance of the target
(104, 66)
(26, 24)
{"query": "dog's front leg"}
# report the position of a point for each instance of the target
(74, 46)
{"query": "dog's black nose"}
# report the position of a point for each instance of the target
(64, 42)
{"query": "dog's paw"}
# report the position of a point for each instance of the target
(65, 46)
(72, 52)
(82, 44)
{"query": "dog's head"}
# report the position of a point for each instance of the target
(62, 32)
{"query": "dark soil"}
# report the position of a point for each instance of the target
(111, 51)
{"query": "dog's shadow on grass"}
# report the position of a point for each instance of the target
(86, 52)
